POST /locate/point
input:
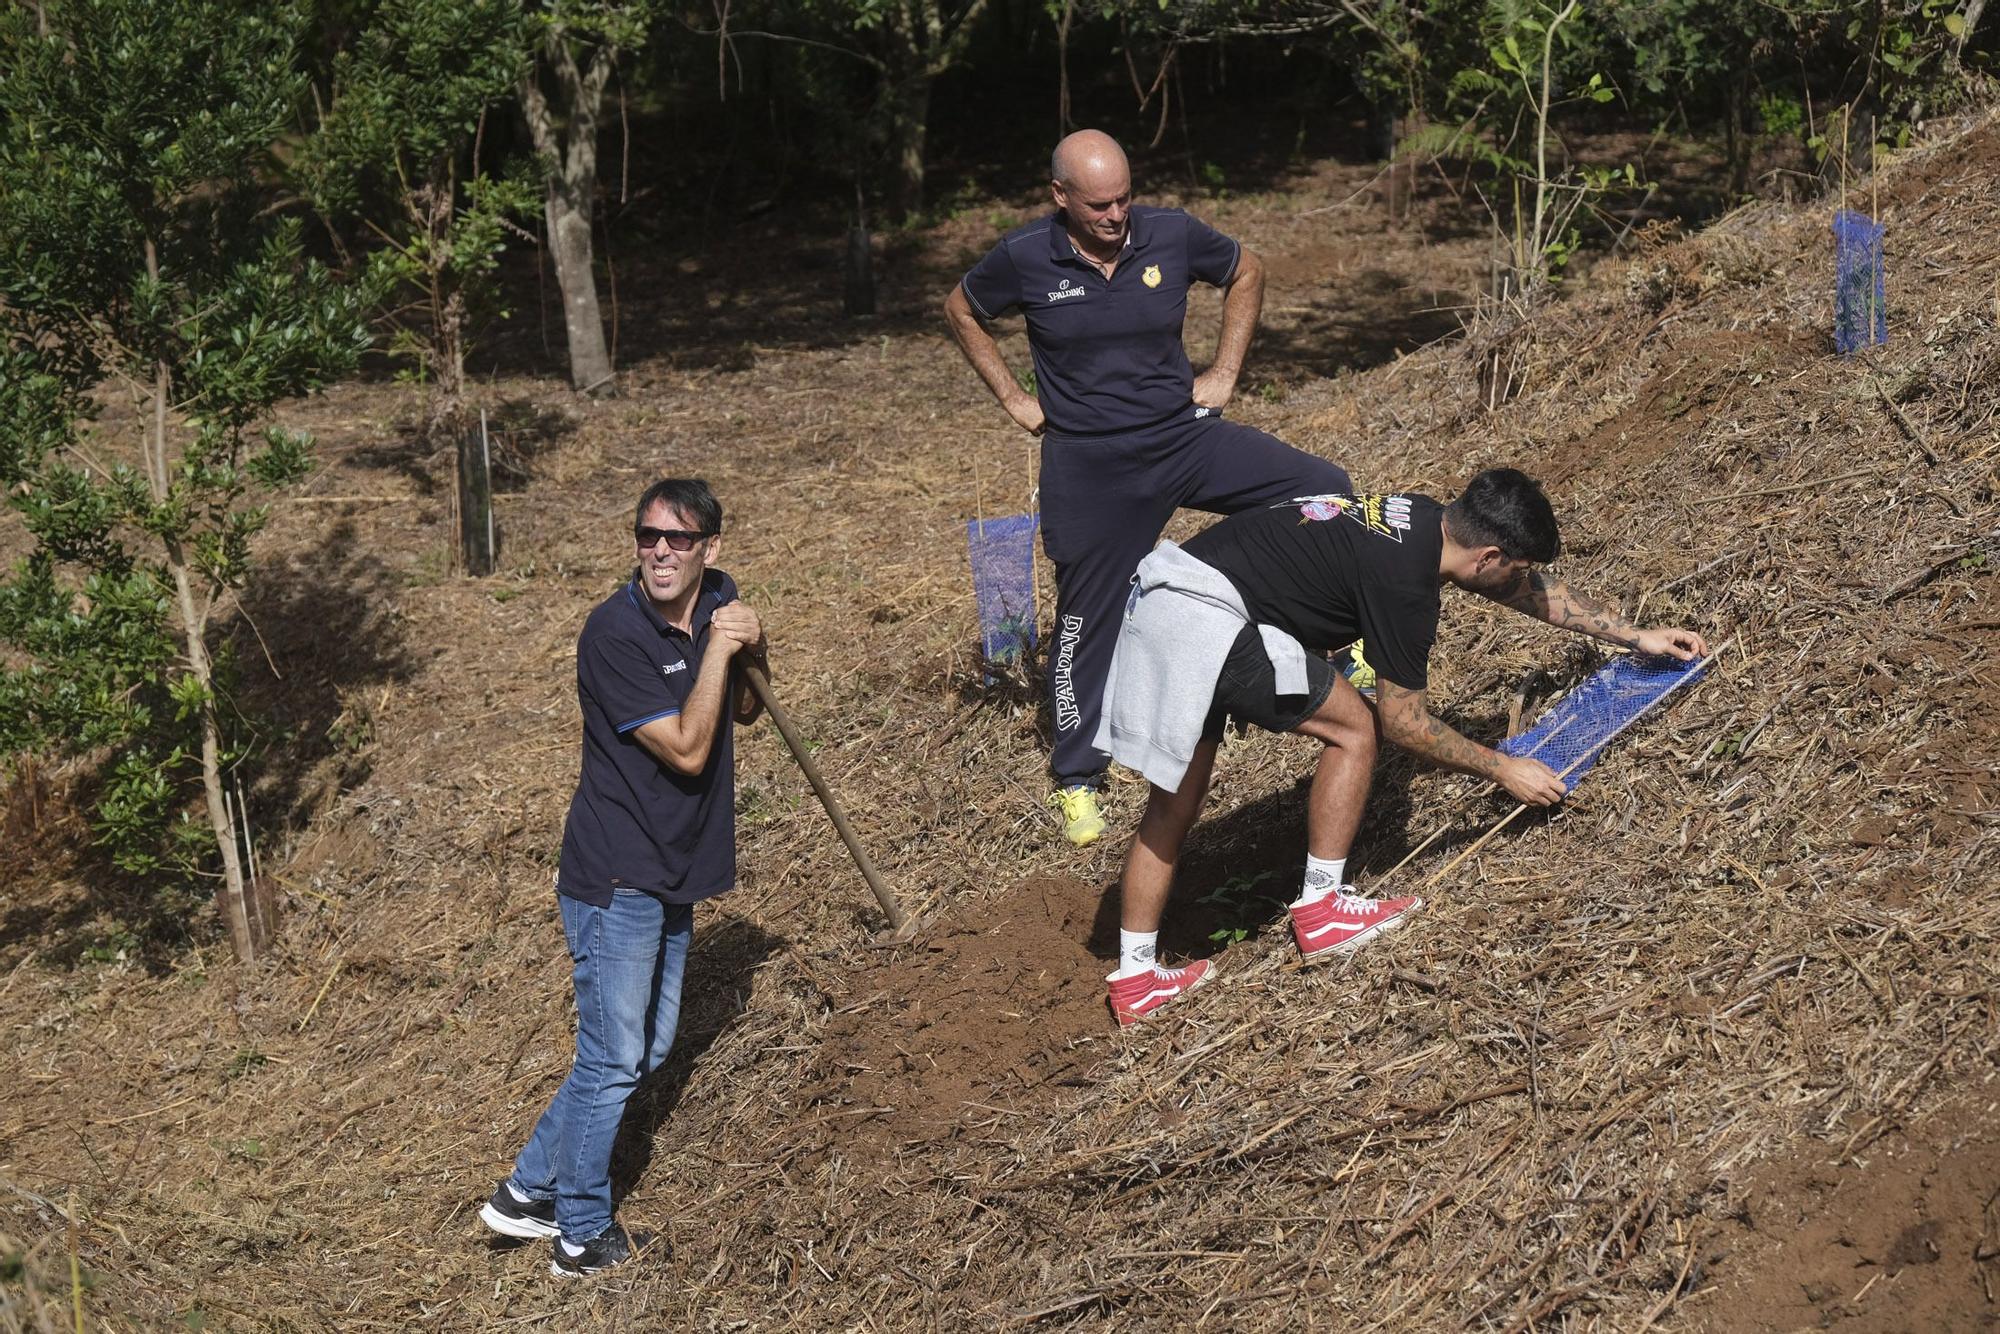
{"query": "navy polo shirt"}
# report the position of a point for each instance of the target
(1108, 355)
(635, 823)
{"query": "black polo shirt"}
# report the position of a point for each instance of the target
(635, 823)
(1108, 355)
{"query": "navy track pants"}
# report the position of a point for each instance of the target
(1105, 500)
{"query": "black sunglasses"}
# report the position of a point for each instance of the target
(677, 539)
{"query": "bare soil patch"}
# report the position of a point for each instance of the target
(1908, 1239)
(988, 1015)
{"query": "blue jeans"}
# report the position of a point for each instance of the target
(630, 959)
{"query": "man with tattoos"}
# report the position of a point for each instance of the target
(1237, 623)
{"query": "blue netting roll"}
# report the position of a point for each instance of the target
(1576, 731)
(1860, 315)
(1003, 582)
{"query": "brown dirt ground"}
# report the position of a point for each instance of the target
(1745, 976)
(988, 1015)
(1908, 1239)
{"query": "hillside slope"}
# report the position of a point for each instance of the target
(1760, 937)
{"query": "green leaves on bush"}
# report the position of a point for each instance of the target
(139, 250)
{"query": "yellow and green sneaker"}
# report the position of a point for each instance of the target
(1083, 823)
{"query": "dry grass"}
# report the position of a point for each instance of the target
(1766, 920)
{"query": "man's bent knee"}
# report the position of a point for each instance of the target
(1343, 719)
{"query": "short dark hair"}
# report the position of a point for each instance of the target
(1505, 508)
(689, 495)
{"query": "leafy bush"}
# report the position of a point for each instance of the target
(138, 257)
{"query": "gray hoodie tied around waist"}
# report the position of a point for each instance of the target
(1181, 618)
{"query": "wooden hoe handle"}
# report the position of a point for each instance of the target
(760, 685)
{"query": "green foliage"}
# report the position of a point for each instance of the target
(397, 152)
(1240, 904)
(137, 249)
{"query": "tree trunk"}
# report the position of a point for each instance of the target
(1400, 181)
(246, 904)
(565, 135)
(909, 114)
(1971, 12)
(445, 414)
(569, 222)
(1062, 66)
(252, 924)
(858, 290)
(1738, 147)
(449, 420)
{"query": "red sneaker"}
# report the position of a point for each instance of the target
(1341, 922)
(1135, 997)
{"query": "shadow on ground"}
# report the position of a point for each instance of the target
(317, 636)
(721, 969)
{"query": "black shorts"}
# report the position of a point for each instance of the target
(1247, 689)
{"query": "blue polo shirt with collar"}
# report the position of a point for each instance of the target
(1108, 354)
(635, 823)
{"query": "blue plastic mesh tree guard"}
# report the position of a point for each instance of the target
(1860, 315)
(1572, 736)
(1003, 582)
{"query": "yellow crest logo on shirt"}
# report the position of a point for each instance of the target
(1151, 277)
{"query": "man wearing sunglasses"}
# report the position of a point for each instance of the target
(1129, 431)
(651, 832)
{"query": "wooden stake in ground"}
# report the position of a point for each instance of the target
(475, 501)
(760, 685)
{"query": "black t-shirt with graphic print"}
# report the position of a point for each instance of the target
(1333, 569)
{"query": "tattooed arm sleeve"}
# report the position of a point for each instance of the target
(1410, 725)
(1550, 600)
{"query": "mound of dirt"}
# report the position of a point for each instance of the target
(1909, 1241)
(989, 1010)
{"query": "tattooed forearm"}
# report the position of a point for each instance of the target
(1552, 601)
(1410, 725)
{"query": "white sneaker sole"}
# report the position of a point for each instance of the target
(521, 1229)
(1356, 941)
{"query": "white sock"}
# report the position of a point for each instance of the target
(519, 1198)
(1136, 950)
(1323, 877)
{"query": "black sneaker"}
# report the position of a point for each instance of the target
(606, 1250)
(525, 1219)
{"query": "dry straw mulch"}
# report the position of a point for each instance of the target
(1766, 921)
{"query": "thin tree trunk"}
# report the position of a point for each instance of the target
(1738, 149)
(909, 114)
(450, 420)
(569, 152)
(250, 929)
(1971, 12)
(1401, 180)
(1062, 66)
(857, 296)
(251, 923)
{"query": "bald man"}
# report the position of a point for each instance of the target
(1129, 431)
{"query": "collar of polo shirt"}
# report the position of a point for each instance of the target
(1062, 248)
(705, 603)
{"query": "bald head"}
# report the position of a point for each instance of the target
(1092, 186)
(1089, 156)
